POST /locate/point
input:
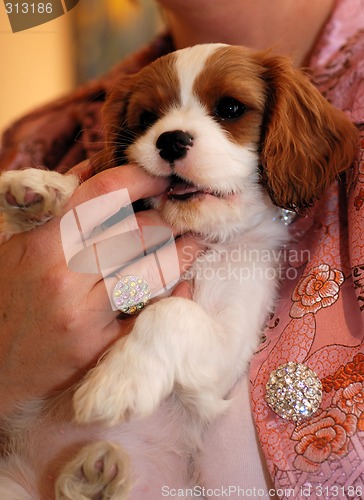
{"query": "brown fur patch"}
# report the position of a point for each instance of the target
(157, 89)
(234, 72)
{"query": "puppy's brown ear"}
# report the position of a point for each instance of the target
(117, 136)
(306, 142)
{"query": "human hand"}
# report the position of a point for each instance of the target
(55, 323)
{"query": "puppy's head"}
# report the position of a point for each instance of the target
(221, 121)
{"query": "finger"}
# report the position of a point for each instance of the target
(149, 252)
(109, 249)
(162, 266)
(80, 223)
(161, 269)
(139, 184)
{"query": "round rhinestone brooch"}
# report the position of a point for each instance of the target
(131, 294)
(294, 391)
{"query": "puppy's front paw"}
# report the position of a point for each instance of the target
(30, 197)
(100, 470)
(130, 381)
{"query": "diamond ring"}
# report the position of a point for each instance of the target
(131, 294)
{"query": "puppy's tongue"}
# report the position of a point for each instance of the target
(179, 189)
(182, 188)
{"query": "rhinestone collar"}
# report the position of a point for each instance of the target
(285, 216)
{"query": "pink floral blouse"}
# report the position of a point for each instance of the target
(319, 318)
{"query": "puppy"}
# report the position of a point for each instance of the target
(239, 135)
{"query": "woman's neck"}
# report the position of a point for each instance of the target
(289, 27)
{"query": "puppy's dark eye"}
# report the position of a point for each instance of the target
(229, 108)
(147, 119)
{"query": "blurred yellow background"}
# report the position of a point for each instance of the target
(47, 61)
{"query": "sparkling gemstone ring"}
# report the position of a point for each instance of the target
(131, 294)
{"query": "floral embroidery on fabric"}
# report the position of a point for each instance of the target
(345, 375)
(323, 437)
(348, 382)
(327, 435)
(351, 399)
(320, 288)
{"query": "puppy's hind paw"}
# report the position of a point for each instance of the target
(30, 197)
(99, 471)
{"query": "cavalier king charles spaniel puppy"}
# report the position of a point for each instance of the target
(240, 135)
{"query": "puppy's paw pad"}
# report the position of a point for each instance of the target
(28, 199)
(99, 471)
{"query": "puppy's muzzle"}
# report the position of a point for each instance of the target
(174, 145)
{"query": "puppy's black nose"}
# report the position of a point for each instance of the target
(173, 145)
